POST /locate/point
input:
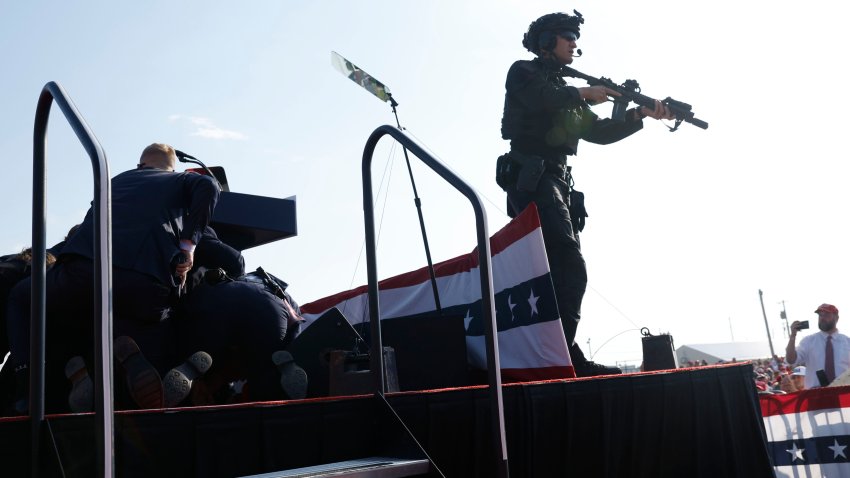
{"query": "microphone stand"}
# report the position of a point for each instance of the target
(185, 158)
(418, 203)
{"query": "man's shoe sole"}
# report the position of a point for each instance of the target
(81, 398)
(178, 381)
(293, 379)
(143, 381)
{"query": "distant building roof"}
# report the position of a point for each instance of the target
(713, 353)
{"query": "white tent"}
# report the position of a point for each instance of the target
(726, 352)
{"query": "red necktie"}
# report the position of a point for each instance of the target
(829, 360)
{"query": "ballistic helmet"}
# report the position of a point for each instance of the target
(542, 33)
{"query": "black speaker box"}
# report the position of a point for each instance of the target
(658, 353)
(430, 350)
(311, 349)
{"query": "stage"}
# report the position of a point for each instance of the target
(701, 422)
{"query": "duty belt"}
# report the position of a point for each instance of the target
(556, 166)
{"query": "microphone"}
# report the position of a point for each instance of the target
(182, 157)
(578, 53)
(186, 158)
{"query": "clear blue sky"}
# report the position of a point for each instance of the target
(684, 228)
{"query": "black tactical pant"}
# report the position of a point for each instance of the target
(567, 266)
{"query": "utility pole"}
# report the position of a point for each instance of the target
(589, 353)
(784, 316)
(732, 334)
(766, 327)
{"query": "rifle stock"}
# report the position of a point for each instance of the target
(630, 92)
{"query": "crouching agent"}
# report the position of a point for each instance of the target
(246, 325)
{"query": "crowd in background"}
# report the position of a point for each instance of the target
(771, 375)
(776, 376)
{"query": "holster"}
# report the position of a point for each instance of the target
(530, 172)
(522, 171)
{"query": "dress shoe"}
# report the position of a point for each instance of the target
(143, 381)
(81, 398)
(293, 379)
(178, 381)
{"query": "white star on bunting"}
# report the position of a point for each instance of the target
(796, 453)
(837, 449)
(468, 319)
(512, 308)
(532, 301)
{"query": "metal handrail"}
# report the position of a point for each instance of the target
(102, 276)
(486, 277)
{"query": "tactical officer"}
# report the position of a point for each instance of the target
(544, 119)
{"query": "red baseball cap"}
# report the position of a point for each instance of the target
(827, 308)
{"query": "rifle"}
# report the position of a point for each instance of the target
(630, 92)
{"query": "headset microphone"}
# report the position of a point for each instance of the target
(578, 53)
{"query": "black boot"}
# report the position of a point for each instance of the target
(587, 368)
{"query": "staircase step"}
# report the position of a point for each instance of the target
(374, 467)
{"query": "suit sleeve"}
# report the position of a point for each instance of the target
(213, 253)
(201, 194)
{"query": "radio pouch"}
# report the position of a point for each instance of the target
(505, 172)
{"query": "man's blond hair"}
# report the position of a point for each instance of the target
(158, 155)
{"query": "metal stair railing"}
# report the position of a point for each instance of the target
(486, 277)
(53, 92)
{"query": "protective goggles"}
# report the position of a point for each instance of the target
(568, 35)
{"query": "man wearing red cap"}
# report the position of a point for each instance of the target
(826, 350)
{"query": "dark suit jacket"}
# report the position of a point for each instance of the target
(152, 210)
(212, 253)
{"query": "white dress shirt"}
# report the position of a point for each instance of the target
(811, 353)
